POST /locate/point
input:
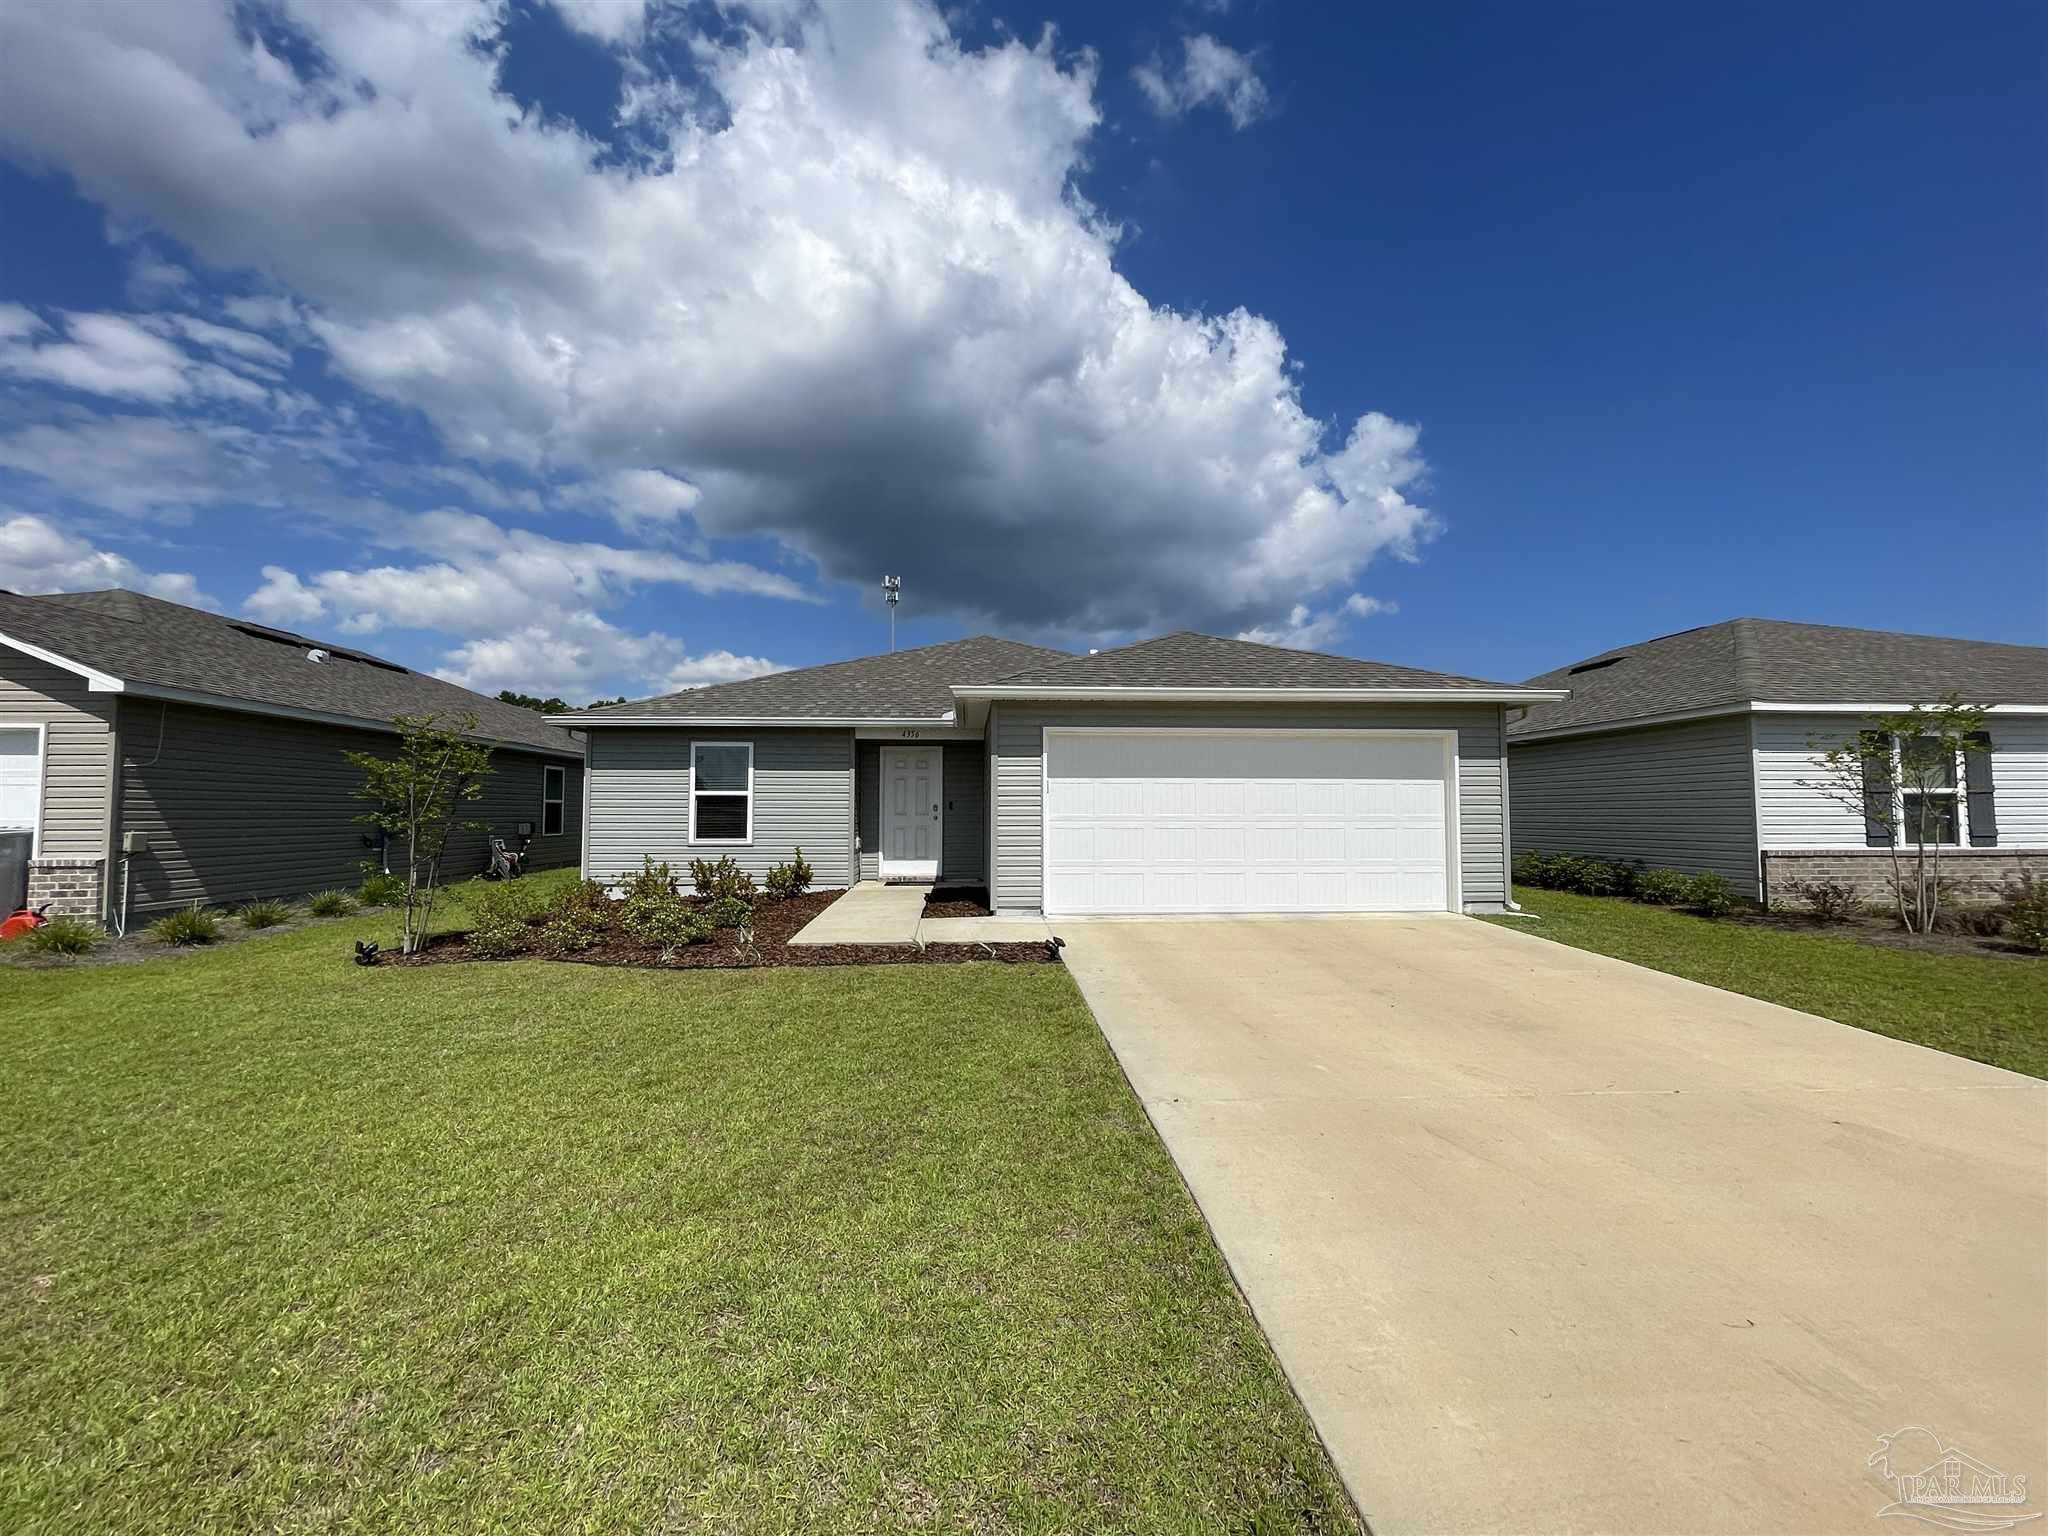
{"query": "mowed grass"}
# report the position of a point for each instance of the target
(1980, 1006)
(290, 1245)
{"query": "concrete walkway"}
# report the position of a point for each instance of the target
(1550, 1242)
(869, 913)
(874, 913)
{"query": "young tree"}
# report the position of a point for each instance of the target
(417, 800)
(1904, 775)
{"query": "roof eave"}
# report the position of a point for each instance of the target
(1267, 695)
(96, 681)
(1739, 707)
(755, 721)
(570, 747)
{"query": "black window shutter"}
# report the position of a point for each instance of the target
(1877, 789)
(1977, 780)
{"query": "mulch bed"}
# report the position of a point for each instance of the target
(774, 924)
(957, 901)
(1885, 933)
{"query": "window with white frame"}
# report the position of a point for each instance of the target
(21, 778)
(721, 792)
(1930, 804)
(554, 785)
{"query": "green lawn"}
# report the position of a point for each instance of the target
(288, 1245)
(1981, 1006)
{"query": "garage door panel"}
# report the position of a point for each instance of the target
(1244, 821)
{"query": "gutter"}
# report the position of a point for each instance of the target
(1267, 695)
(758, 722)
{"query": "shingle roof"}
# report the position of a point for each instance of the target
(1781, 662)
(1189, 660)
(900, 685)
(147, 642)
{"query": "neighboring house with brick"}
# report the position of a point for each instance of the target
(154, 755)
(1698, 751)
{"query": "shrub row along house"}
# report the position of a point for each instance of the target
(154, 755)
(1703, 751)
(1181, 774)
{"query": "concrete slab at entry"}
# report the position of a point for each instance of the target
(870, 913)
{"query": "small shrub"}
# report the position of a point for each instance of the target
(729, 912)
(568, 933)
(577, 918)
(721, 881)
(1661, 887)
(669, 926)
(1528, 870)
(652, 883)
(263, 914)
(502, 916)
(380, 889)
(1597, 877)
(1830, 901)
(187, 926)
(330, 903)
(1708, 894)
(63, 936)
(791, 879)
(2025, 910)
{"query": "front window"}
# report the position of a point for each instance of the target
(553, 784)
(722, 792)
(1927, 783)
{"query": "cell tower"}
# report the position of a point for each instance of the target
(892, 594)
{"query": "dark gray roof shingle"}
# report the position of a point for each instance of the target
(1189, 660)
(148, 642)
(1780, 662)
(899, 685)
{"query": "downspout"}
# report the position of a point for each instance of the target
(1507, 841)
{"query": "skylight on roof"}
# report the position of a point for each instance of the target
(1594, 666)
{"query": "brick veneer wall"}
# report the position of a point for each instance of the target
(68, 887)
(1970, 877)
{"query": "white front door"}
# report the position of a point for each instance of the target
(1245, 820)
(912, 812)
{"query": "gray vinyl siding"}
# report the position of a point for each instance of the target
(1673, 796)
(964, 847)
(78, 739)
(240, 805)
(803, 797)
(1018, 751)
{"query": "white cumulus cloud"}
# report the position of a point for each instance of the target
(37, 557)
(1208, 74)
(848, 295)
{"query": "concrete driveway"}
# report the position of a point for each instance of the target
(1548, 1242)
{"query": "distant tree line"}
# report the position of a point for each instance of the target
(550, 706)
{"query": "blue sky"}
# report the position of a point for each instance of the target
(604, 348)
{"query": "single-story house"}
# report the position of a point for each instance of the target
(1186, 773)
(155, 755)
(1698, 751)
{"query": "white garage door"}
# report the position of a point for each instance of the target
(1246, 821)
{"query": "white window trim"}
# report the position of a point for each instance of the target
(42, 733)
(560, 799)
(722, 842)
(1958, 794)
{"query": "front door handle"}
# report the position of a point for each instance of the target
(935, 813)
